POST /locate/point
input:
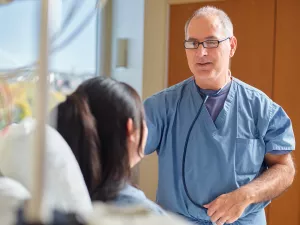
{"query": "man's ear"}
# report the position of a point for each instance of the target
(233, 45)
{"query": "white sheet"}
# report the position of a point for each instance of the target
(65, 188)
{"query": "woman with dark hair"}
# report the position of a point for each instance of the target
(103, 123)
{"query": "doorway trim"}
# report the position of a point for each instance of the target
(155, 73)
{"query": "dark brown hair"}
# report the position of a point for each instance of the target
(93, 121)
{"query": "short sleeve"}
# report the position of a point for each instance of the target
(279, 138)
(155, 122)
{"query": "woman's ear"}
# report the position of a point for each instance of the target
(130, 131)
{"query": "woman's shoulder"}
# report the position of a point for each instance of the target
(131, 196)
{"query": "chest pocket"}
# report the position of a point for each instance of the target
(249, 156)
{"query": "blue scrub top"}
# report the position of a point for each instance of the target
(222, 155)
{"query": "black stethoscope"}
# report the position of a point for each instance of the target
(204, 97)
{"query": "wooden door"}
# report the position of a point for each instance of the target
(286, 209)
(253, 23)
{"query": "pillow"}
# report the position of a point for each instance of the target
(64, 186)
(105, 214)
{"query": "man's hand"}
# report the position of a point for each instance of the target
(228, 208)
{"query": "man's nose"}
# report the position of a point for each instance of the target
(201, 51)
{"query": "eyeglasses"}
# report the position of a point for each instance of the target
(193, 44)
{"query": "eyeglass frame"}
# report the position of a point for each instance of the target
(202, 43)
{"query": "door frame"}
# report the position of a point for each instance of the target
(155, 64)
(156, 27)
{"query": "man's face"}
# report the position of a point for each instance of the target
(209, 63)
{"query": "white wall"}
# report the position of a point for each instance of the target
(144, 70)
(128, 22)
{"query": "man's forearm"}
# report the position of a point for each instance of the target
(270, 184)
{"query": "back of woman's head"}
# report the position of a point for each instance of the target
(94, 122)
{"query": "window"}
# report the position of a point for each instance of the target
(72, 63)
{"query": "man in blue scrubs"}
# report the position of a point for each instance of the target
(223, 146)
